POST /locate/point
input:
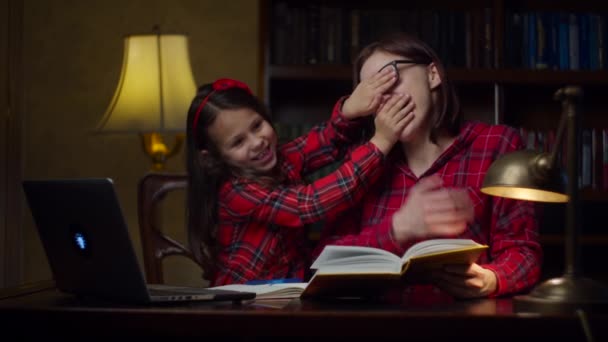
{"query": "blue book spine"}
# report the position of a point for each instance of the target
(563, 42)
(601, 47)
(532, 40)
(525, 46)
(593, 42)
(574, 42)
(543, 40)
(554, 40)
(516, 41)
(583, 40)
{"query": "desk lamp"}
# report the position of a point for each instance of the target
(154, 92)
(527, 175)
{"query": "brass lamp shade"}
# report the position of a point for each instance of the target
(525, 175)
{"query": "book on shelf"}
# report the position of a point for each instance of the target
(270, 291)
(586, 159)
(354, 271)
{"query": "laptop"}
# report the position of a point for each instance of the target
(87, 243)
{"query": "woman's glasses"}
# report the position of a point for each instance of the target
(394, 63)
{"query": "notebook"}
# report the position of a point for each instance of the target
(87, 243)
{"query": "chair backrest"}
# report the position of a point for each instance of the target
(156, 245)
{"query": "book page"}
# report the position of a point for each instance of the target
(347, 255)
(437, 245)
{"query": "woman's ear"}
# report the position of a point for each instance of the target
(434, 77)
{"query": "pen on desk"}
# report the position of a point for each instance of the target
(274, 281)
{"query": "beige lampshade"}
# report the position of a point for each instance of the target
(156, 86)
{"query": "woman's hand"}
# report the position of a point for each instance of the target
(369, 94)
(392, 118)
(465, 281)
(431, 211)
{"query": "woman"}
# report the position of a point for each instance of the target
(431, 185)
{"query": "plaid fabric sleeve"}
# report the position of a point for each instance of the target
(516, 252)
(325, 143)
(297, 205)
(515, 249)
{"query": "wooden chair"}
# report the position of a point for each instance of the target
(156, 245)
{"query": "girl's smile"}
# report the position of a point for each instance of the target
(245, 139)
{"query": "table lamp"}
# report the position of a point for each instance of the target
(153, 94)
(528, 175)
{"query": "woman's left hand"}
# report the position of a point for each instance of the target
(465, 281)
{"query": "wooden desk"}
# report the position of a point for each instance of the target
(39, 312)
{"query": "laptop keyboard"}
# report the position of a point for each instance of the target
(167, 292)
(164, 290)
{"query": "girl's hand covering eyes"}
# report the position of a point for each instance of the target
(369, 94)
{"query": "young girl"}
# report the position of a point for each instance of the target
(247, 202)
(432, 180)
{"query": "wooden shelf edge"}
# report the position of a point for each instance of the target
(319, 72)
(459, 75)
(585, 239)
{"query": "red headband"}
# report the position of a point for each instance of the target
(220, 84)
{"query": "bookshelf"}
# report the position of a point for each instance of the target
(507, 59)
(481, 41)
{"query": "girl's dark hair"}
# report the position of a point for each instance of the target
(207, 171)
(449, 115)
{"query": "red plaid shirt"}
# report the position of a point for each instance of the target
(261, 232)
(508, 226)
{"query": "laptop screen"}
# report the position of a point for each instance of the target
(85, 237)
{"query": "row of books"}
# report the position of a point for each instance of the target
(315, 33)
(593, 154)
(555, 40)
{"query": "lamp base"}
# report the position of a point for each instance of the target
(565, 294)
(157, 150)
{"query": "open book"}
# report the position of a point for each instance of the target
(268, 291)
(347, 271)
